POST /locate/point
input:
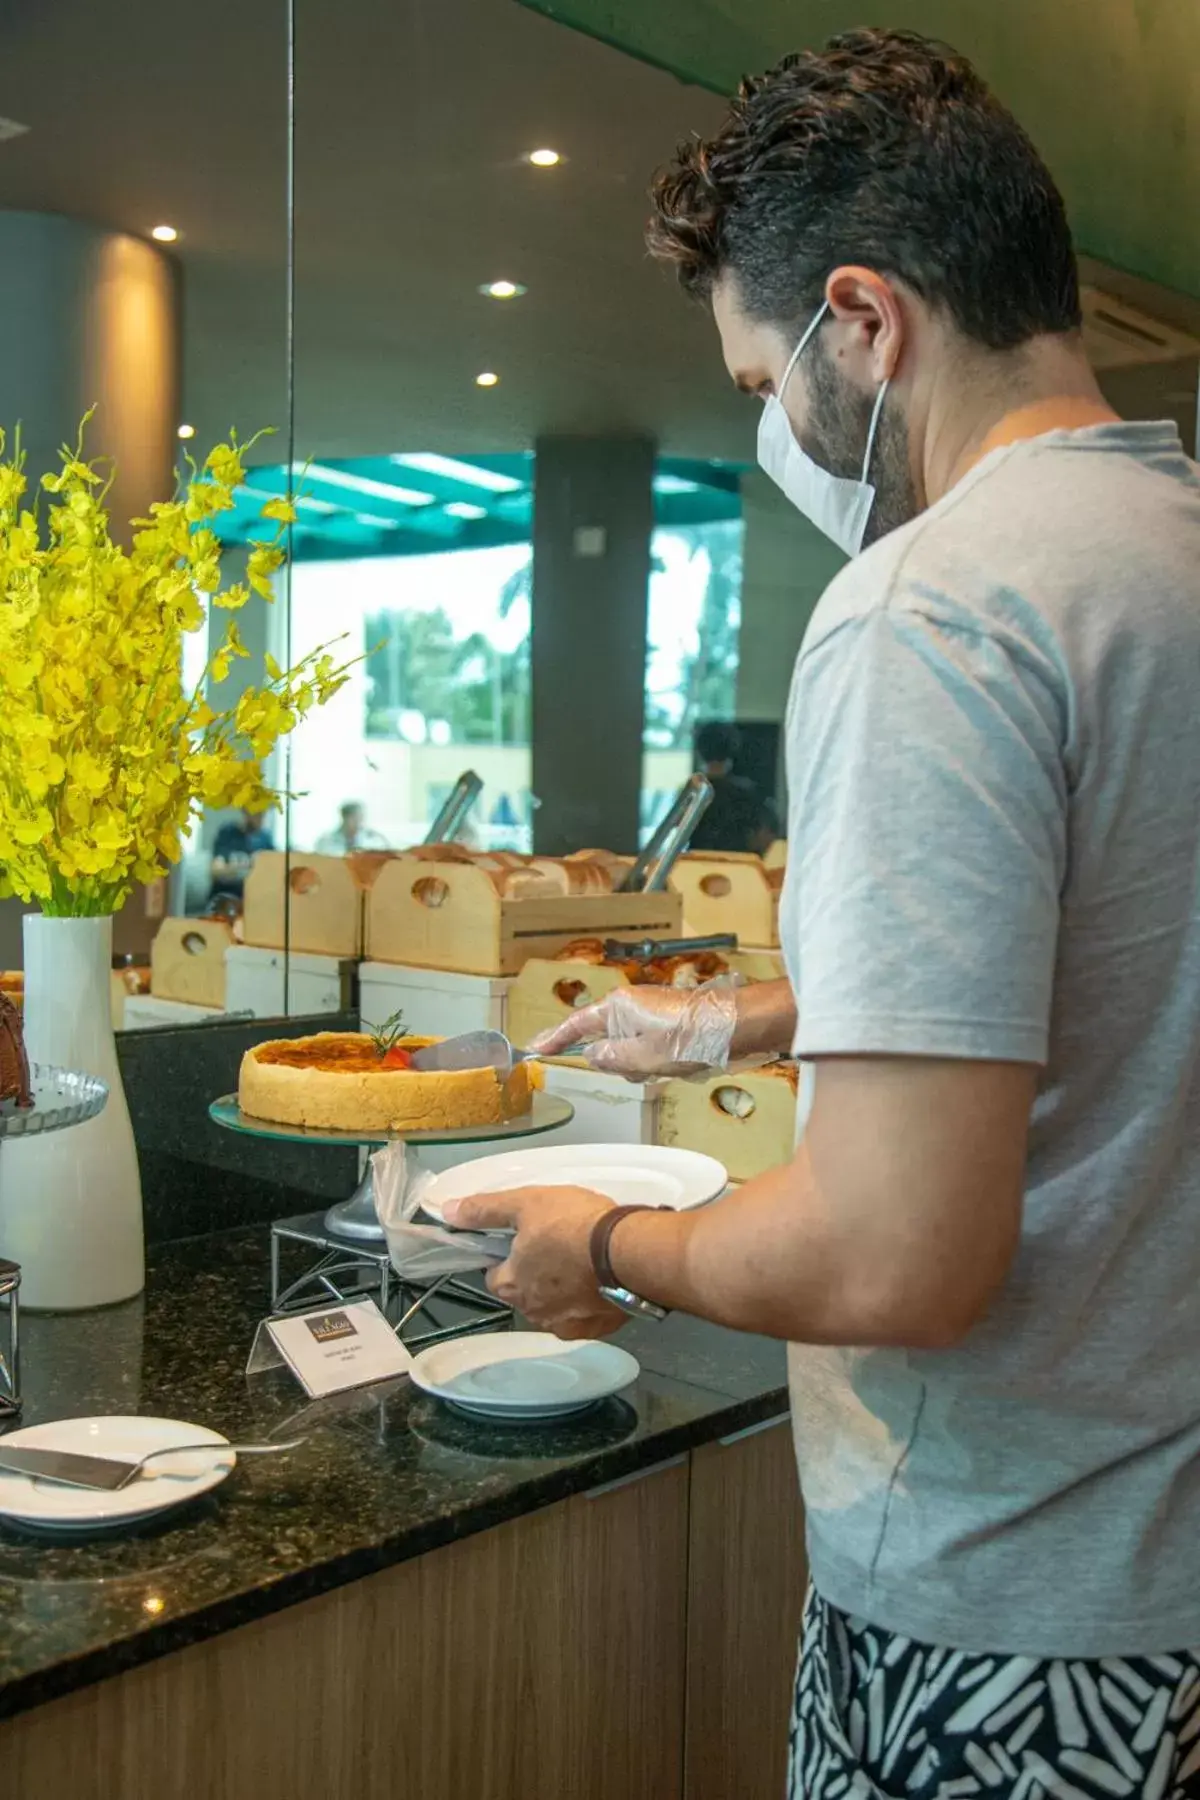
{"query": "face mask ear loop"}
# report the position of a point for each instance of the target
(812, 326)
(874, 426)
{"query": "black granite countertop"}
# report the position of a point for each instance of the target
(385, 1474)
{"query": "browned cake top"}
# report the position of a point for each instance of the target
(347, 1053)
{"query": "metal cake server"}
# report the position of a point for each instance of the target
(109, 1473)
(471, 1050)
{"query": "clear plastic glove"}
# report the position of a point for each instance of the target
(424, 1252)
(643, 1032)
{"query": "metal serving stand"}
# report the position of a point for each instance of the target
(345, 1254)
(60, 1099)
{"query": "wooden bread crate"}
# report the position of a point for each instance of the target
(545, 994)
(775, 856)
(312, 903)
(747, 1121)
(728, 892)
(757, 965)
(187, 961)
(449, 915)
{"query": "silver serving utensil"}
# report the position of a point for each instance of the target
(471, 1050)
(109, 1473)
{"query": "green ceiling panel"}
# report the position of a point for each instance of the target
(1110, 90)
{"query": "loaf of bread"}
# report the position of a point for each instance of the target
(689, 969)
(518, 877)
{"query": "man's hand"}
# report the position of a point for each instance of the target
(548, 1275)
(643, 1032)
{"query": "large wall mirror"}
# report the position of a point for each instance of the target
(471, 290)
(525, 490)
(526, 511)
(143, 234)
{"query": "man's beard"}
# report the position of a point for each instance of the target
(835, 436)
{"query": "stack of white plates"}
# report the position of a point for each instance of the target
(49, 1506)
(523, 1377)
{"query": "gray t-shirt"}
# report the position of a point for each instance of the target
(994, 767)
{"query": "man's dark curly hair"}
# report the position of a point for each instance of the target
(885, 149)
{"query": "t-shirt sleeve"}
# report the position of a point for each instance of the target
(927, 842)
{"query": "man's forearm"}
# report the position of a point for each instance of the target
(894, 1223)
(766, 1019)
(756, 1261)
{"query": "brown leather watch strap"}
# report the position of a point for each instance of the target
(602, 1232)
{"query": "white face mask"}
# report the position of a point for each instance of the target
(837, 506)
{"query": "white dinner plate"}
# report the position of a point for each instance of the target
(629, 1174)
(523, 1375)
(170, 1482)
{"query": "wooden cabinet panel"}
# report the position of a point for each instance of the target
(747, 1575)
(542, 1660)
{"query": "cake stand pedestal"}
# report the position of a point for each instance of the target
(352, 1257)
(60, 1099)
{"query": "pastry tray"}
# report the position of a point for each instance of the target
(60, 1098)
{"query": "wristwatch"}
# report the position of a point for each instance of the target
(610, 1287)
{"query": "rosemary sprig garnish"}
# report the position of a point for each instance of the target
(385, 1037)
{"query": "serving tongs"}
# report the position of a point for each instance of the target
(651, 949)
(650, 872)
(458, 804)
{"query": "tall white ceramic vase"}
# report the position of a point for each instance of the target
(71, 1202)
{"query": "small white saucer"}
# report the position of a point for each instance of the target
(523, 1376)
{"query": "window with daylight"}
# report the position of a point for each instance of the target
(443, 685)
(691, 649)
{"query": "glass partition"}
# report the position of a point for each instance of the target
(472, 291)
(143, 229)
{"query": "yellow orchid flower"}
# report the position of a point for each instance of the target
(104, 758)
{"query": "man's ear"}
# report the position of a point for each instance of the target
(867, 304)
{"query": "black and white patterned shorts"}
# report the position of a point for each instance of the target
(877, 1715)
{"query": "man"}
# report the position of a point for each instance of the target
(234, 849)
(987, 1248)
(351, 833)
(738, 817)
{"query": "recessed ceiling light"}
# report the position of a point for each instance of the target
(502, 290)
(488, 378)
(323, 475)
(465, 509)
(164, 234)
(545, 159)
(186, 431)
(451, 468)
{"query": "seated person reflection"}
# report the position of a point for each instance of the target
(237, 844)
(350, 834)
(740, 818)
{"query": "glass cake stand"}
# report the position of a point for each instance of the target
(356, 1218)
(352, 1257)
(61, 1098)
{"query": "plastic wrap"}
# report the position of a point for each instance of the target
(420, 1250)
